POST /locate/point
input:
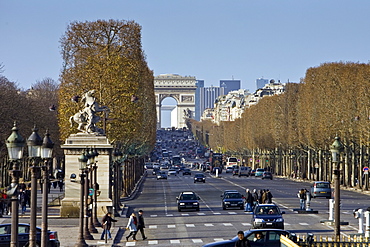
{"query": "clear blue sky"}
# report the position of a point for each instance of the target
(209, 39)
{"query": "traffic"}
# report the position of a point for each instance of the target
(202, 203)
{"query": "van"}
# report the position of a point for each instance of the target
(244, 171)
(321, 189)
(231, 161)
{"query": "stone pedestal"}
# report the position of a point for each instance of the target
(73, 148)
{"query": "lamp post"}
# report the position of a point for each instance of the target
(34, 143)
(15, 144)
(87, 234)
(96, 188)
(46, 155)
(335, 150)
(117, 156)
(90, 206)
(81, 241)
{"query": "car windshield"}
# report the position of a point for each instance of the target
(322, 185)
(199, 175)
(263, 210)
(233, 195)
(188, 197)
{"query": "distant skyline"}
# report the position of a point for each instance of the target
(212, 40)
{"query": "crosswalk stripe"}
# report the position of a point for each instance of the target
(175, 241)
(246, 224)
(227, 224)
(153, 242)
(208, 224)
(153, 227)
(171, 226)
(231, 213)
(190, 225)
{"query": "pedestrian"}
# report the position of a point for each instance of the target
(255, 198)
(302, 198)
(132, 226)
(23, 200)
(141, 224)
(242, 241)
(260, 197)
(268, 196)
(107, 223)
(248, 201)
(264, 196)
(60, 184)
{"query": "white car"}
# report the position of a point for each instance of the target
(172, 172)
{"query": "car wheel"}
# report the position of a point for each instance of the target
(242, 207)
(197, 209)
(204, 181)
(194, 182)
(328, 197)
(179, 209)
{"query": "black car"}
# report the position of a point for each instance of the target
(199, 177)
(236, 172)
(232, 198)
(269, 238)
(267, 216)
(23, 235)
(187, 200)
(186, 171)
(267, 175)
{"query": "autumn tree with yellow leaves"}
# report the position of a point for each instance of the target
(107, 56)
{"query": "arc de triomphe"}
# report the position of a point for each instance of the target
(182, 89)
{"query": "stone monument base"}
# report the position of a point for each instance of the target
(70, 208)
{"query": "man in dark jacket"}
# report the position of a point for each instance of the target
(242, 241)
(107, 223)
(141, 224)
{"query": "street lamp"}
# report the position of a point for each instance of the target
(89, 212)
(90, 157)
(46, 155)
(34, 143)
(335, 150)
(117, 157)
(82, 162)
(15, 144)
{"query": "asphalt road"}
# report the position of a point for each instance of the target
(165, 226)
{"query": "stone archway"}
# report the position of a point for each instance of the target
(182, 89)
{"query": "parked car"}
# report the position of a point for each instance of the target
(259, 172)
(271, 238)
(232, 198)
(236, 172)
(23, 236)
(267, 175)
(186, 171)
(187, 200)
(199, 177)
(321, 189)
(161, 175)
(267, 216)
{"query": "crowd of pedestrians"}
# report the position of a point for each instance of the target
(256, 197)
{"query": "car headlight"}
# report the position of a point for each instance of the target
(182, 204)
(195, 203)
(280, 220)
(257, 220)
(227, 202)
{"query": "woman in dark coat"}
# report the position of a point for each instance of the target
(107, 223)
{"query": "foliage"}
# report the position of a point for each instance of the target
(107, 56)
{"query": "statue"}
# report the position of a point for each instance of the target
(187, 113)
(86, 118)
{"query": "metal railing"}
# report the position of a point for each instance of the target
(332, 241)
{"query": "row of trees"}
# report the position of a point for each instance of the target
(332, 100)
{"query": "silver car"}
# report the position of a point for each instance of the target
(321, 189)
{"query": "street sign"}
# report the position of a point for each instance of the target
(91, 192)
(365, 169)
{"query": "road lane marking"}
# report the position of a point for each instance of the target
(185, 214)
(131, 244)
(190, 225)
(152, 227)
(171, 226)
(304, 224)
(209, 225)
(169, 215)
(201, 214)
(216, 213)
(227, 224)
(197, 241)
(153, 215)
(246, 224)
(218, 239)
(231, 212)
(175, 241)
(153, 242)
